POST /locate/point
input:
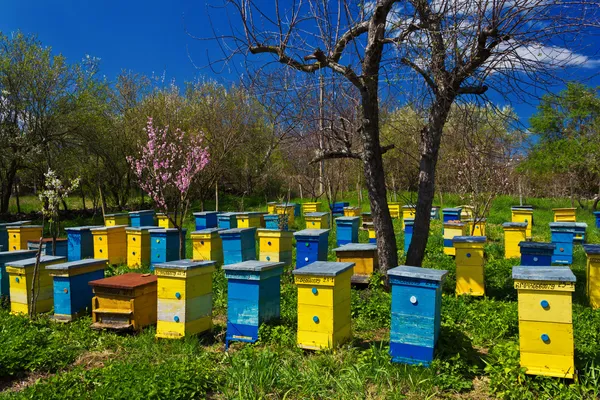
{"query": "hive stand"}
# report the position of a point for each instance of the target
(408, 232)
(323, 304)
(253, 298)
(347, 230)
(416, 313)
(310, 207)
(536, 253)
(523, 214)
(565, 214)
(317, 220)
(452, 229)
(514, 233)
(545, 319)
(275, 245)
(7, 257)
(364, 258)
(184, 298)
(110, 242)
(80, 242)
(311, 245)
(19, 235)
(239, 245)
(207, 245)
(61, 249)
(116, 219)
(227, 220)
(138, 245)
(593, 274)
(4, 233)
(141, 218)
(562, 234)
(125, 302)
(206, 220)
(72, 292)
(469, 265)
(164, 245)
(408, 212)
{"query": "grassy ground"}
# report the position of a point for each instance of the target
(477, 355)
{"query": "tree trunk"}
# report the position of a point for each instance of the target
(181, 243)
(83, 206)
(7, 187)
(17, 197)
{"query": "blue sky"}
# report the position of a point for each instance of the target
(147, 36)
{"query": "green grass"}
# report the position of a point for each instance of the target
(477, 354)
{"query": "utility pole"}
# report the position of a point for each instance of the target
(321, 129)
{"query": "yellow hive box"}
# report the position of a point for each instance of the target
(466, 212)
(249, 219)
(275, 245)
(184, 298)
(564, 214)
(272, 207)
(20, 276)
(593, 274)
(18, 236)
(451, 230)
(352, 211)
(364, 258)
(110, 242)
(523, 215)
(317, 220)
(469, 265)
(394, 210)
(116, 219)
(323, 304)
(514, 233)
(286, 209)
(371, 230)
(207, 245)
(545, 320)
(164, 221)
(138, 246)
(479, 227)
(408, 212)
(311, 207)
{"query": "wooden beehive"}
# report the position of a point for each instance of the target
(435, 213)
(469, 265)
(248, 219)
(61, 248)
(324, 304)
(597, 216)
(288, 210)
(272, 207)
(125, 302)
(20, 276)
(206, 220)
(138, 246)
(311, 245)
(395, 210)
(452, 229)
(337, 208)
(275, 245)
(466, 212)
(72, 292)
(253, 298)
(564, 214)
(409, 224)
(276, 221)
(239, 245)
(580, 231)
(310, 207)
(141, 218)
(110, 242)
(7, 257)
(163, 221)
(116, 219)
(364, 258)
(207, 245)
(227, 220)
(80, 242)
(4, 233)
(593, 274)
(479, 227)
(317, 220)
(451, 214)
(408, 212)
(352, 211)
(545, 319)
(347, 230)
(522, 214)
(19, 235)
(536, 253)
(562, 234)
(184, 298)
(514, 233)
(416, 313)
(164, 245)
(370, 227)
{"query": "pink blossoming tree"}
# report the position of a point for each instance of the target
(166, 167)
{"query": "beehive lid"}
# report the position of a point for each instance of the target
(130, 280)
(207, 231)
(581, 225)
(116, 215)
(278, 232)
(562, 225)
(592, 248)
(452, 210)
(347, 219)
(82, 228)
(235, 231)
(537, 245)
(31, 261)
(596, 212)
(530, 208)
(324, 268)
(564, 209)
(227, 215)
(141, 212)
(272, 202)
(454, 223)
(409, 221)
(184, 265)
(356, 247)
(165, 230)
(286, 205)
(252, 266)
(311, 232)
(317, 214)
(428, 274)
(21, 226)
(77, 264)
(203, 213)
(408, 206)
(140, 228)
(17, 253)
(105, 228)
(532, 273)
(47, 240)
(243, 213)
(469, 239)
(514, 225)
(18, 223)
(479, 220)
(365, 214)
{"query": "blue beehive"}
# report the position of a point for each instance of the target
(141, 218)
(580, 228)
(72, 292)
(563, 234)
(408, 231)
(311, 246)
(80, 242)
(164, 245)
(276, 221)
(7, 257)
(347, 230)
(597, 215)
(451, 214)
(253, 297)
(239, 244)
(435, 213)
(206, 220)
(416, 306)
(60, 249)
(4, 234)
(337, 209)
(536, 253)
(227, 220)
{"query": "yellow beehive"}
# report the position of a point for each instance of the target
(364, 258)
(184, 298)
(452, 229)
(593, 274)
(408, 212)
(164, 221)
(394, 210)
(479, 227)
(545, 320)
(272, 207)
(138, 246)
(466, 212)
(514, 233)
(469, 265)
(564, 215)
(18, 236)
(110, 242)
(248, 219)
(116, 219)
(317, 220)
(207, 245)
(311, 207)
(323, 304)
(523, 215)
(286, 209)
(352, 211)
(275, 245)
(370, 227)
(20, 276)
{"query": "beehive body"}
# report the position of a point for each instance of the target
(395, 210)
(141, 218)
(475, 228)
(564, 214)
(253, 297)
(248, 219)
(466, 212)
(138, 246)
(72, 292)
(317, 220)
(163, 221)
(276, 221)
(545, 320)
(593, 274)
(239, 245)
(408, 232)
(275, 245)
(124, 302)
(311, 246)
(408, 212)
(80, 242)
(282, 209)
(580, 231)
(323, 304)
(597, 216)
(337, 209)
(347, 230)
(110, 242)
(364, 258)
(164, 245)
(227, 220)
(19, 235)
(7, 257)
(469, 265)
(416, 313)
(435, 213)
(352, 212)
(519, 214)
(452, 229)
(514, 233)
(207, 245)
(562, 234)
(184, 298)
(370, 227)
(206, 219)
(4, 233)
(61, 248)
(536, 253)
(272, 207)
(451, 214)
(116, 219)
(20, 275)
(310, 207)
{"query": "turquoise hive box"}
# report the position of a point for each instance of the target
(227, 220)
(206, 220)
(141, 218)
(347, 230)
(80, 242)
(563, 236)
(164, 245)
(239, 244)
